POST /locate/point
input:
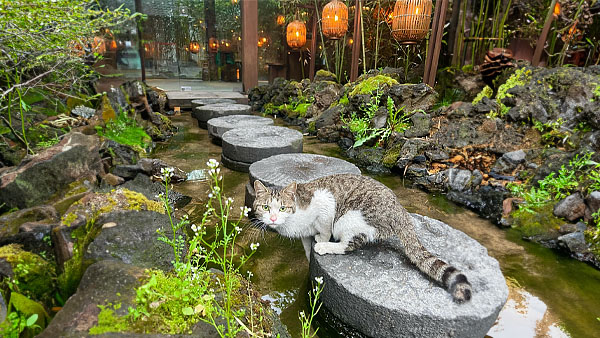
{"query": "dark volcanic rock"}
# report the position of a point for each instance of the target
(420, 125)
(10, 223)
(130, 237)
(103, 283)
(369, 158)
(219, 125)
(570, 208)
(401, 301)
(32, 183)
(486, 201)
(210, 111)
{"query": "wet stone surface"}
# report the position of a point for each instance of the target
(207, 101)
(400, 301)
(210, 111)
(219, 125)
(281, 170)
(242, 147)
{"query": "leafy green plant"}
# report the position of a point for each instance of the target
(16, 323)
(360, 126)
(125, 130)
(519, 78)
(315, 306)
(487, 91)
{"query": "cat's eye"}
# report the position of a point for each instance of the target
(265, 207)
(282, 208)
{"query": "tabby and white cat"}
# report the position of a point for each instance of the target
(355, 210)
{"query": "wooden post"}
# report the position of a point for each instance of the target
(313, 47)
(435, 43)
(141, 51)
(357, 42)
(249, 44)
(539, 47)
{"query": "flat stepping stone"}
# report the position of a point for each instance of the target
(204, 102)
(244, 146)
(219, 125)
(280, 170)
(400, 300)
(210, 111)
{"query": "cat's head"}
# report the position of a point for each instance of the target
(273, 207)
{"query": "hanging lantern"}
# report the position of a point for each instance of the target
(225, 46)
(557, 10)
(296, 34)
(411, 20)
(213, 45)
(113, 45)
(335, 20)
(280, 20)
(194, 47)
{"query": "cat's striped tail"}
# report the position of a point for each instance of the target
(445, 274)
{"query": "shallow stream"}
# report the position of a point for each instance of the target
(551, 295)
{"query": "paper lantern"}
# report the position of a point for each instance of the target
(194, 47)
(280, 20)
(213, 45)
(335, 20)
(411, 19)
(296, 34)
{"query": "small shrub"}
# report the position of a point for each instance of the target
(125, 130)
(487, 91)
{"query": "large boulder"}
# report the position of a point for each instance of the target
(50, 172)
(378, 292)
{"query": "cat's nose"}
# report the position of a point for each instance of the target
(273, 218)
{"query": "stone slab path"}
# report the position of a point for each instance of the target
(210, 111)
(242, 147)
(219, 125)
(184, 99)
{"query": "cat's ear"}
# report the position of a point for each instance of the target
(260, 188)
(290, 189)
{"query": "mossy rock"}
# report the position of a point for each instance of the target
(371, 84)
(35, 275)
(108, 112)
(391, 155)
(540, 222)
(324, 75)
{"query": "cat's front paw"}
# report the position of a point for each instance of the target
(325, 248)
(322, 238)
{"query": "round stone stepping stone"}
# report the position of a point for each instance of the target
(280, 170)
(242, 146)
(400, 301)
(219, 125)
(204, 102)
(210, 111)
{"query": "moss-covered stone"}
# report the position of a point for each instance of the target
(540, 222)
(369, 85)
(108, 112)
(35, 276)
(324, 75)
(391, 155)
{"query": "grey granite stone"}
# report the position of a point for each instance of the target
(219, 125)
(207, 101)
(251, 145)
(210, 111)
(281, 170)
(377, 291)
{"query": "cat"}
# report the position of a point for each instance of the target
(355, 210)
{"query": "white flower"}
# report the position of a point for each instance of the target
(254, 246)
(245, 210)
(210, 195)
(212, 163)
(319, 280)
(250, 274)
(302, 314)
(238, 229)
(229, 200)
(194, 228)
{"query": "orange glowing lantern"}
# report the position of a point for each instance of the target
(280, 20)
(194, 47)
(213, 45)
(335, 20)
(557, 9)
(113, 45)
(411, 19)
(296, 34)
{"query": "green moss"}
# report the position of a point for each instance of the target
(539, 222)
(138, 201)
(485, 92)
(35, 276)
(391, 156)
(68, 219)
(322, 73)
(109, 321)
(311, 127)
(519, 78)
(371, 84)
(596, 92)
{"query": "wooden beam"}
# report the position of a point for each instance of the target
(435, 46)
(141, 50)
(357, 42)
(313, 47)
(539, 47)
(249, 44)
